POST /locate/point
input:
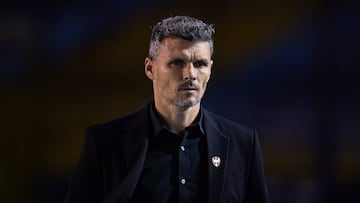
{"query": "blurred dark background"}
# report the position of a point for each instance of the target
(288, 68)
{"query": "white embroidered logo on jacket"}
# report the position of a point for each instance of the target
(216, 161)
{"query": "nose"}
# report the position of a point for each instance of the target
(189, 72)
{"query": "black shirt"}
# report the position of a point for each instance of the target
(175, 168)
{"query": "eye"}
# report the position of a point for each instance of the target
(200, 64)
(177, 63)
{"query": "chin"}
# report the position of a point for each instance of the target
(187, 103)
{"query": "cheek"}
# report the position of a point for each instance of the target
(163, 84)
(169, 80)
(205, 79)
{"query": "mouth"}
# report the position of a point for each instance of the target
(190, 88)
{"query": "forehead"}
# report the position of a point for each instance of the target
(175, 47)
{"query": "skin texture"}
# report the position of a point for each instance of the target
(180, 74)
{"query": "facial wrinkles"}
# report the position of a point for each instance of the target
(188, 50)
(192, 55)
(170, 81)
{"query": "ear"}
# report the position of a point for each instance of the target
(149, 68)
(211, 67)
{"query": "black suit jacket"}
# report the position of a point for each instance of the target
(114, 153)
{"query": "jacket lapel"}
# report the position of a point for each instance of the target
(135, 144)
(217, 144)
(134, 147)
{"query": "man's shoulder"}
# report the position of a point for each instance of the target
(137, 117)
(239, 135)
(225, 122)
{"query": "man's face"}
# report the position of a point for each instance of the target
(180, 72)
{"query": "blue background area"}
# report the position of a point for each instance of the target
(288, 69)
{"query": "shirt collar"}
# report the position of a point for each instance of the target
(159, 124)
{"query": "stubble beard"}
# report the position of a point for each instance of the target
(184, 104)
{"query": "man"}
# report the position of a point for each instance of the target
(172, 150)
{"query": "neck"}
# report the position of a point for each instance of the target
(177, 119)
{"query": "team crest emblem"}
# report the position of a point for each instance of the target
(216, 161)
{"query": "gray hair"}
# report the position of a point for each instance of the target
(183, 27)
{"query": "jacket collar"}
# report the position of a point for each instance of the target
(159, 124)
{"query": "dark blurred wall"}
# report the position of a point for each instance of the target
(289, 69)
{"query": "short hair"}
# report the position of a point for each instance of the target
(183, 27)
